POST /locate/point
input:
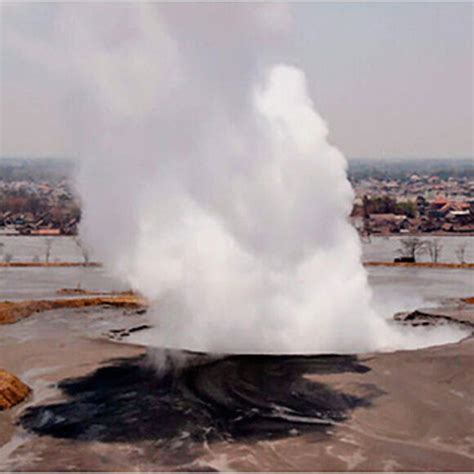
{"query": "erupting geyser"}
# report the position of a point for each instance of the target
(237, 225)
(208, 182)
(253, 251)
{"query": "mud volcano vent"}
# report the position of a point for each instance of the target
(209, 399)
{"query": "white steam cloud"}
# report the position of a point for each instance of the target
(208, 182)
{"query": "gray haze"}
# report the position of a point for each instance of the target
(390, 79)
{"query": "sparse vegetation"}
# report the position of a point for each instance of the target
(83, 248)
(388, 205)
(47, 253)
(434, 248)
(410, 247)
(461, 252)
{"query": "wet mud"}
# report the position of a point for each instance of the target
(245, 397)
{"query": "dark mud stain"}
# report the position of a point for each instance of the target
(233, 398)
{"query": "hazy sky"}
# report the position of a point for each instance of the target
(391, 79)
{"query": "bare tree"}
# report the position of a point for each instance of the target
(461, 252)
(411, 246)
(47, 251)
(84, 250)
(434, 248)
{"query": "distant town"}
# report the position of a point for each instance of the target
(391, 197)
(37, 197)
(428, 196)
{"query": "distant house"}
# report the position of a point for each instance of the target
(470, 203)
(459, 217)
(455, 206)
(438, 202)
(435, 209)
(389, 223)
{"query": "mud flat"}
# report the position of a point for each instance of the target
(99, 405)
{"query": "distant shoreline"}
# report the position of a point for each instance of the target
(409, 234)
(465, 266)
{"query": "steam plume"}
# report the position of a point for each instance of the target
(208, 181)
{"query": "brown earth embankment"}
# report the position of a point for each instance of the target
(85, 292)
(13, 311)
(49, 264)
(465, 266)
(12, 390)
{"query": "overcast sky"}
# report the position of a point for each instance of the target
(392, 80)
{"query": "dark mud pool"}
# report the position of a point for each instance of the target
(234, 397)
